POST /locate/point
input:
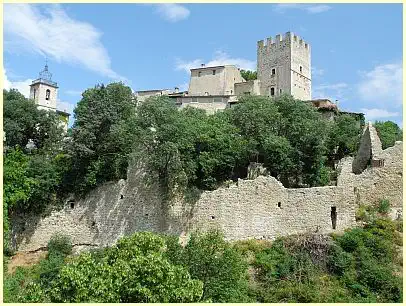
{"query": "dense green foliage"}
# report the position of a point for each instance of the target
(24, 122)
(31, 173)
(101, 137)
(248, 75)
(184, 149)
(190, 149)
(361, 265)
(389, 132)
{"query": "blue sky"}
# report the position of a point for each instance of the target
(356, 48)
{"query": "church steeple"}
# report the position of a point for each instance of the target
(44, 91)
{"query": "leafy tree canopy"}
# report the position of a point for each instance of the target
(248, 75)
(389, 132)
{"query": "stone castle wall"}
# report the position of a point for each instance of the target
(256, 208)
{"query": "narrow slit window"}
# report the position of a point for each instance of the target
(334, 217)
(272, 91)
(273, 71)
(47, 94)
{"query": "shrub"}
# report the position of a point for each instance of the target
(59, 245)
(220, 267)
(383, 206)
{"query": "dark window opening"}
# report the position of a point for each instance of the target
(48, 94)
(212, 217)
(334, 217)
(146, 215)
(301, 69)
(273, 71)
(280, 91)
(214, 72)
(272, 91)
(121, 197)
(93, 223)
(279, 204)
(72, 204)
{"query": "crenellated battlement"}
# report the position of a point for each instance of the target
(289, 38)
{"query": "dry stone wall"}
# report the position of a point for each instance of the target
(253, 208)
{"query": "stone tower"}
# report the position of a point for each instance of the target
(283, 66)
(44, 91)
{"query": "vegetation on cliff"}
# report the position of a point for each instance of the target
(185, 149)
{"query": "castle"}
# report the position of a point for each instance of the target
(44, 92)
(283, 66)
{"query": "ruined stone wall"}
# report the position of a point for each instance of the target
(105, 214)
(257, 208)
(263, 208)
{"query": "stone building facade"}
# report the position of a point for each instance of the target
(258, 208)
(283, 66)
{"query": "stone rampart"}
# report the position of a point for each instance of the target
(258, 208)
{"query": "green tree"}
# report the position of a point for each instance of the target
(17, 187)
(220, 267)
(343, 138)
(248, 75)
(389, 132)
(23, 121)
(102, 136)
(187, 147)
(133, 271)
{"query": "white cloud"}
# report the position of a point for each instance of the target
(172, 12)
(382, 85)
(375, 113)
(316, 72)
(330, 91)
(53, 33)
(219, 58)
(309, 8)
(22, 86)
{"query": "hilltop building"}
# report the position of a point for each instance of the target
(283, 66)
(44, 92)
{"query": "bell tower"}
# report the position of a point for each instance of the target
(44, 91)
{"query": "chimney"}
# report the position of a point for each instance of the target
(176, 89)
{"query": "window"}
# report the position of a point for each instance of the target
(214, 72)
(334, 217)
(301, 69)
(231, 91)
(273, 71)
(272, 91)
(35, 91)
(280, 91)
(48, 94)
(279, 204)
(199, 74)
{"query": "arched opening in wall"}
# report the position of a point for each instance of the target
(47, 94)
(272, 91)
(121, 197)
(71, 204)
(334, 217)
(279, 204)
